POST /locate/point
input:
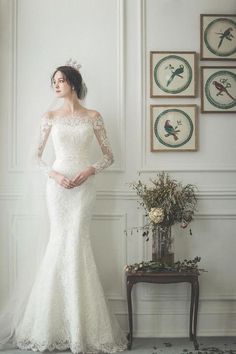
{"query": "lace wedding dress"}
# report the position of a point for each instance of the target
(67, 308)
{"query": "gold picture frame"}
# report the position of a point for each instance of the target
(172, 74)
(218, 89)
(218, 37)
(173, 127)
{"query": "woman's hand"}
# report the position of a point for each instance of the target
(83, 175)
(62, 180)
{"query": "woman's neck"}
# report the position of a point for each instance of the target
(72, 105)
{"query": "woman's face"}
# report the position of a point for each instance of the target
(61, 86)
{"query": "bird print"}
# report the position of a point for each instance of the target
(175, 73)
(225, 35)
(222, 89)
(171, 130)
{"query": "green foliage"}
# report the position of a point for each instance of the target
(153, 266)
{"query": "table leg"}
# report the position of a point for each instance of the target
(196, 301)
(191, 311)
(129, 300)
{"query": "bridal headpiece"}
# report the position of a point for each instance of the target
(73, 64)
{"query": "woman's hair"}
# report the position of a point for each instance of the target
(74, 79)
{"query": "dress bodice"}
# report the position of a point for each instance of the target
(72, 139)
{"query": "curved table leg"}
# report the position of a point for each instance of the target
(191, 311)
(130, 334)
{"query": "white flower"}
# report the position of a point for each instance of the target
(156, 215)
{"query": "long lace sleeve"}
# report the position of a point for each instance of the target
(101, 135)
(45, 129)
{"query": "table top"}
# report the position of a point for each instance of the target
(163, 274)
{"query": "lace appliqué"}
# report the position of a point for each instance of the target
(45, 129)
(99, 131)
(101, 135)
(75, 348)
(72, 121)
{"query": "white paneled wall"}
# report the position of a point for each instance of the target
(112, 39)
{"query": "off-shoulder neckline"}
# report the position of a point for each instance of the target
(75, 120)
(74, 117)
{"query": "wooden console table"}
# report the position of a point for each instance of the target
(165, 278)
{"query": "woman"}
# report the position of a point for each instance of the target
(67, 308)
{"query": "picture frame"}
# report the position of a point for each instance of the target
(217, 37)
(172, 74)
(173, 127)
(218, 88)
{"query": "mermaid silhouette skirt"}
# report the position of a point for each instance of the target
(67, 308)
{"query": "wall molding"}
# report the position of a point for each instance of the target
(215, 216)
(146, 297)
(123, 194)
(215, 169)
(12, 246)
(13, 163)
(144, 109)
(142, 67)
(121, 84)
(13, 255)
(122, 217)
(165, 333)
(225, 194)
(185, 311)
(12, 133)
(145, 294)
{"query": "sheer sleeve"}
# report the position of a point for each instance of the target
(101, 135)
(45, 128)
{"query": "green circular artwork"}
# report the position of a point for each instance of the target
(173, 128)
(173, 74)
(219, 37)
(220, 89)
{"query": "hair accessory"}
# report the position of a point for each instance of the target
(73, 64)
(77, 66)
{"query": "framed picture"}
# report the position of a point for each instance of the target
(173, 127)
(218, 37)
(172, 74)
(218, 91)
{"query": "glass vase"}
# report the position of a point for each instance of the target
(162, 245)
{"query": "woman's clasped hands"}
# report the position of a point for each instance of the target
(69, 183)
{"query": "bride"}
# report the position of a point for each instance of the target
(66, 307)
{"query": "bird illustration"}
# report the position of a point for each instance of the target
(175, 73)
(171, 130)
(221, 88)
(225, 35)
(169, 67)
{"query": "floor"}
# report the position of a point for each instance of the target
(211, 345)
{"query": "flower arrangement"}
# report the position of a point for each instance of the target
(166, 203)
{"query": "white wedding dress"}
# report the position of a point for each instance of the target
(67, 308)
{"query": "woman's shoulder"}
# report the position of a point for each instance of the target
(49, 115)
(93, 114)
(52, 114)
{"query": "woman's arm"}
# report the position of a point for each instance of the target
(101, 135)
(107, 158)
(45, 128)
